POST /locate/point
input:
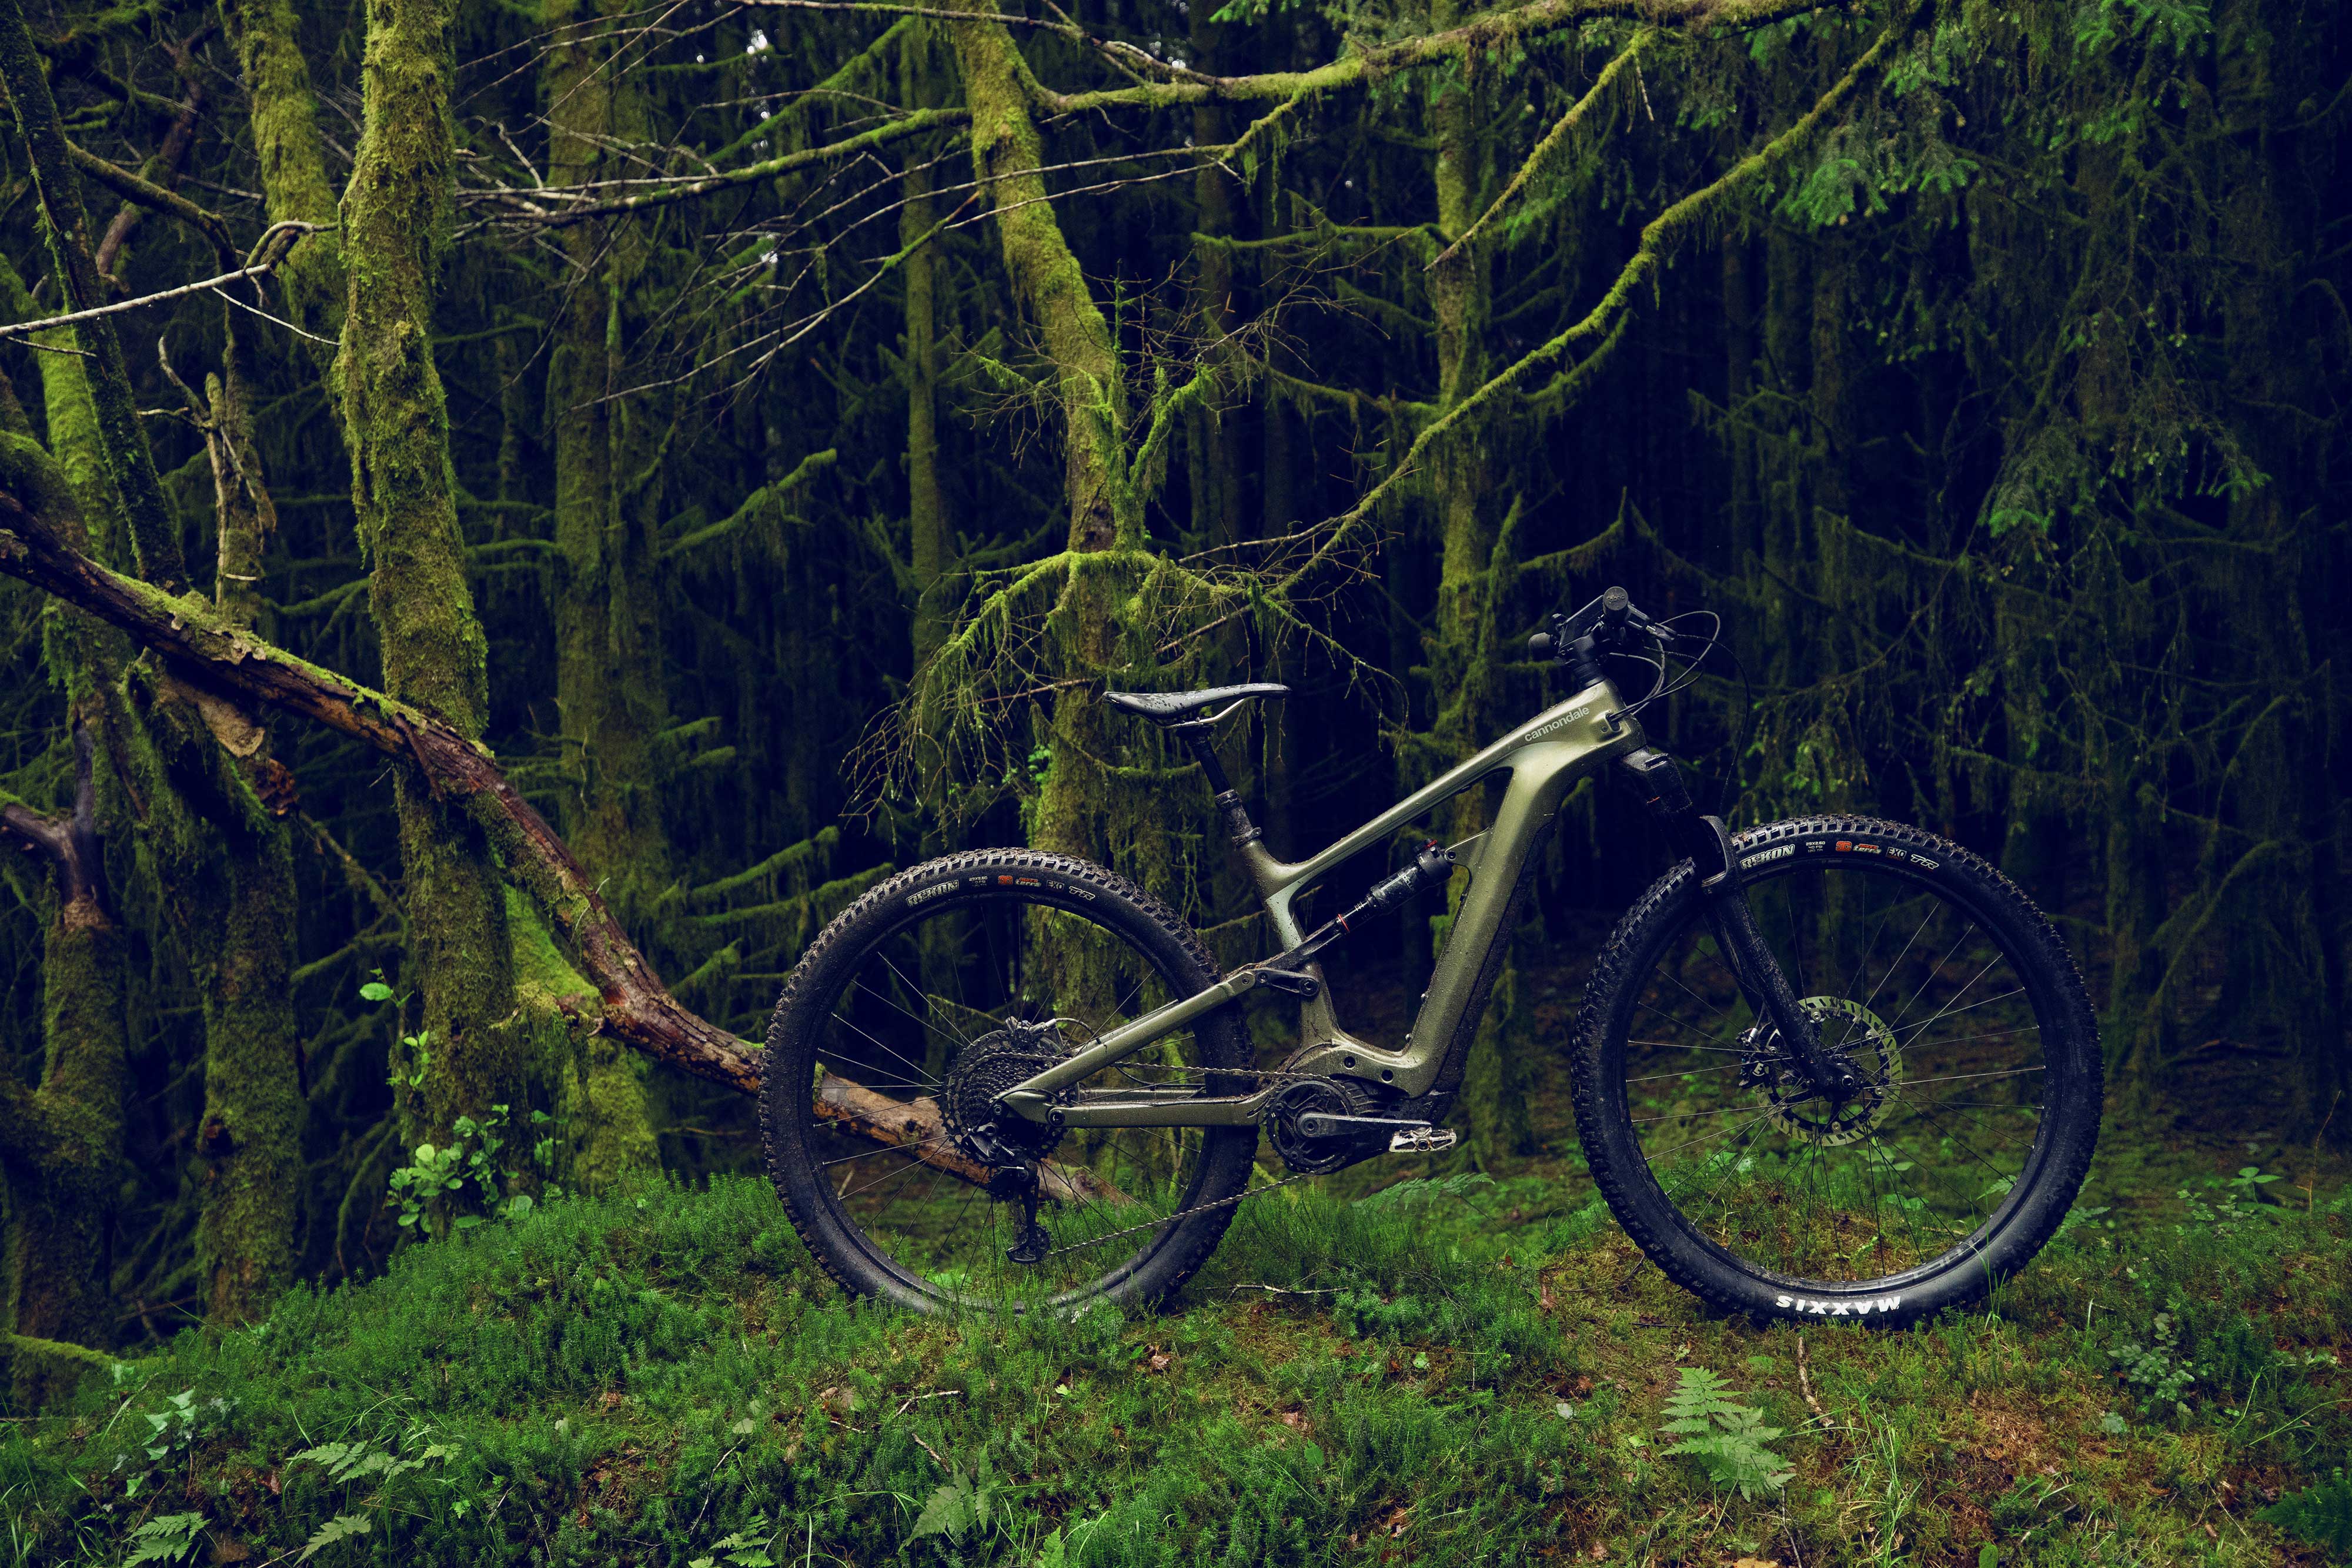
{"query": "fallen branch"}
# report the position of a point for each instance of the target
(208, 651)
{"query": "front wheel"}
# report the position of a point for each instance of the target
(1956, 1003)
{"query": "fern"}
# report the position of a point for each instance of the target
(2321, 1515)
(1726, 1438)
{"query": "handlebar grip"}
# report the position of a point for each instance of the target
(1615, 603)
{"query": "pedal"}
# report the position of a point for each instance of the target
(1424, 1141)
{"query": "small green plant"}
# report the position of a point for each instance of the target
(960, 1505)
(166, 1538)
(744, 1548)
(173, 1434)
(2157, 1367)
(1727, 1439)
(411, 1056)
(2320, 1515)
(2242, 1199)
(430, 1190)
(1409, 1193)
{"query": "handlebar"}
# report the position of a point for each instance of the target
(1604, 621)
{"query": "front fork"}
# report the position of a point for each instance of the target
(1758, 974)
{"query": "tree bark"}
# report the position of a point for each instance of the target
(250, 1143)
(607, 611)
(293, 158)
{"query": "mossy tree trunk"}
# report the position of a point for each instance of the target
(930, 531)
(608, 444)
(249, 1144)
(65, 221)
(62, 1141)
(1462, 664)
(292, 155)
(396, 425)
(61, 1144)
(1086, 804)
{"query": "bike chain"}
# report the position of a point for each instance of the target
(1264, 1075)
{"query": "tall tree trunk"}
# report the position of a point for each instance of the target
(930, 532)
(249, 1143)
(1461, 662)
(607, 613)
(62, 1143)
(1084, 807)
(293, 158)
(609, 683)
(396, 424)
(153, 527)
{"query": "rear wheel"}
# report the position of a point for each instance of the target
(939, 990)
(1959, 1009)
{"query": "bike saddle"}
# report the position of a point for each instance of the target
(1174, 707)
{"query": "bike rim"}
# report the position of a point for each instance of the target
(1917, 986)
(933, 1013)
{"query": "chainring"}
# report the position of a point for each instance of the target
(1865, 1042)
(1303, 1096)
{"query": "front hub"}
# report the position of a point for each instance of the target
(1849, 1032)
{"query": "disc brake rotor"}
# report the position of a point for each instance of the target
(1849, 1029)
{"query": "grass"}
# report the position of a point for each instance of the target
(1449, 1371)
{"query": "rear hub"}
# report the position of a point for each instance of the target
(998, 1062)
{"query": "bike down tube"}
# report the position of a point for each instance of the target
(1544, 757)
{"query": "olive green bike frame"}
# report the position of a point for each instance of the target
(1544, 757)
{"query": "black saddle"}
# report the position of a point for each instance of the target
(1176, 707)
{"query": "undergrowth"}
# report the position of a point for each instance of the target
(1454, 1371)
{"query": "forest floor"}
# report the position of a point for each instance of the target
(1446, 1370)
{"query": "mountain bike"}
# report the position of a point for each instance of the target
(1832, 1067)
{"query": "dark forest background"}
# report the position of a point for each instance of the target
(773, 422)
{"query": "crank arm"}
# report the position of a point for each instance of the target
(1321, 1124)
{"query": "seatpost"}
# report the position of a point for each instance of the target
(1198, 738)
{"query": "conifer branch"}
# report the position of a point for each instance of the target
(1544, 148)
(1606, 320)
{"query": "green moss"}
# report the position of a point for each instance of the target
(609, 491)
(291, 152)
(154, 526)
(601, 1111)
(40, 1374)
(396, 426)
(64, 1147)
(250, 1142)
